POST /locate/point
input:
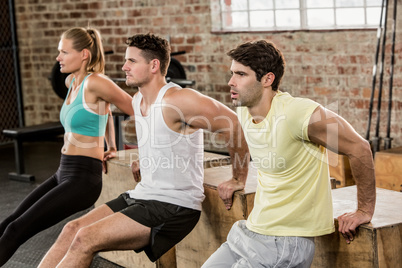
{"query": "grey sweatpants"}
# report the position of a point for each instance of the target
(245, 248)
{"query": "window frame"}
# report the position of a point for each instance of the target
(217, 18)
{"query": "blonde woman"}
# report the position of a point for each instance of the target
(85, 115)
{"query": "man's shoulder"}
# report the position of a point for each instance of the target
(177, 95)
(290, 101)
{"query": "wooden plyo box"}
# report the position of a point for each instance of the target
(388, 169)
(339, 168)
(215, 222)
(119, 179)
(377, 244)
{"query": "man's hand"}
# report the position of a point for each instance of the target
(226, 190)
(111, 153)
(348, 223)
(135, 168)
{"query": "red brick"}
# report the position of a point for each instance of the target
(133, 13)
(192, 20)
(149, 11)
(75, 15)
(176, 20)
(314, 80)
(177, 40)
(159, 21)
(126, 4)
(194, 39)
(95, 5)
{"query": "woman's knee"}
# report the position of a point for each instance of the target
(13, 229)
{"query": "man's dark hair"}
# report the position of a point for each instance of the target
(262, 57)
(153, 47)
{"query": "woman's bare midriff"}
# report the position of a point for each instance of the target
(76, 144)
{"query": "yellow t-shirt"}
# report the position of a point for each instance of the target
(293, 196)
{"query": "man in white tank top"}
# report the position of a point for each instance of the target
(166, 203)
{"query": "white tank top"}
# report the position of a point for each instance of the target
(171, 163)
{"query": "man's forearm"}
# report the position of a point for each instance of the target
(240, 156)
(364, 175)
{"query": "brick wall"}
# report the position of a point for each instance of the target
(331, 67)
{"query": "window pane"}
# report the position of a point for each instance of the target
(288, 18)
(233, 5)
(286, 4)
(320, 17)
(235, 20)
(262, 19)
(349, 3)
(373, 15)
(319, 3)
(239, 5)
(374, 3)
(349, 16)
(261, 4)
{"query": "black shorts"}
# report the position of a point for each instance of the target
(169, 223)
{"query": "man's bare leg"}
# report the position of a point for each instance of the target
(59, 249)
(115, 232)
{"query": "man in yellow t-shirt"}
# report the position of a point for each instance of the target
(288, 138)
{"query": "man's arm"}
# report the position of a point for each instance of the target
(240, 157)
(328, 129)
(202, 112)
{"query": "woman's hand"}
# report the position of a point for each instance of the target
(110, 153)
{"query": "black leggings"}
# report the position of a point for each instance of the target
(75, 186)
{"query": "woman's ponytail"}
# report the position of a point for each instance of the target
(97, 61)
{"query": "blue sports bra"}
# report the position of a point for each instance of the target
(77, 117)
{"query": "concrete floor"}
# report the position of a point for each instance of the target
(41, 160)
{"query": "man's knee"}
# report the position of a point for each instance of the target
(72, 227)
(82, 240)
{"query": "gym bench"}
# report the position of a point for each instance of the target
(44, 131)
